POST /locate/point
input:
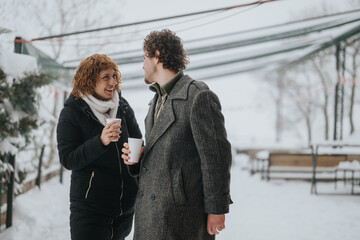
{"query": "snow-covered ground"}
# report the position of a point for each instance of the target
(275, 210)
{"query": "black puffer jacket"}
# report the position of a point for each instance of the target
(100, 181)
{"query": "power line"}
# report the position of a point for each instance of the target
(260, 54)
(248, 31)
(322, 46)
(51, 41)
(251, 41)
(153, 20)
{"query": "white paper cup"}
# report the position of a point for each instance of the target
(118, 122)
(135, 145)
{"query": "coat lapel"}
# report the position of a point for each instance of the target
(149, 120)
(166, 117)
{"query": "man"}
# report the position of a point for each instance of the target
(184, 172)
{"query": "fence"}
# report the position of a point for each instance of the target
(7, 196)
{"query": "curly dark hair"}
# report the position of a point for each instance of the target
(172, 54)
(85, 78)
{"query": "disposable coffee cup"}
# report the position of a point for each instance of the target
(135, 145)
(118, 122)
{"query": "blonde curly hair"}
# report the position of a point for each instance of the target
(87, 73)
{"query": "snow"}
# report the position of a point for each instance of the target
(7, 146)
(16, 65)
(353, 165)
(274, 210)
(262, 155)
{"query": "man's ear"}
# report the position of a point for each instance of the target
(157, 54)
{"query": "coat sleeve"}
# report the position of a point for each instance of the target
(207, 124)
(134, 132)
(133, 127)
(74, 153)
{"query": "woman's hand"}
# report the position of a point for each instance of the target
(126, 153)
(110, 133)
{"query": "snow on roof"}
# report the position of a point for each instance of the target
(16, 65)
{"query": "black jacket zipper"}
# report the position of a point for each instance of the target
(119, 159)
(90, 181)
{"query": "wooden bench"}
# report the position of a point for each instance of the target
(299, 166)
(317, 161)
(259, 158)
(308, 167)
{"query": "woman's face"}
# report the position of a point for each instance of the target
(105, 84)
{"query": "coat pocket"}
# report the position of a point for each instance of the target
(177, 187)
(90, 182)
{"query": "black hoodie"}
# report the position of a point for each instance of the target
(100, 181)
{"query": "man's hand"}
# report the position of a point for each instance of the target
(126, 152)
(215, 223)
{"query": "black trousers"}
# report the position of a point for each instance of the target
(90, 226)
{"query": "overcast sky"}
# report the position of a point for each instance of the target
(22, 22)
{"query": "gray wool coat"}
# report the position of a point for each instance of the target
(184, 173)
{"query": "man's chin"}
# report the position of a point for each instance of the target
(147, 81)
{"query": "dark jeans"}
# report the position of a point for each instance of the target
(90, 226)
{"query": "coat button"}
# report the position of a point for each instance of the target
(152, 197)
(141, 194)
(144, 169)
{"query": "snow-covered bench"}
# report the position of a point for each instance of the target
(350, 164)
(351, 167)
(299, 166)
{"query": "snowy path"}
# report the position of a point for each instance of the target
(275, 210)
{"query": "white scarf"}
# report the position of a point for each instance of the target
(101, 108)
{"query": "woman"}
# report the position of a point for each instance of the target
(102, 193)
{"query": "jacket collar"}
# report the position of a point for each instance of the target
(180, 90)
(167, 87)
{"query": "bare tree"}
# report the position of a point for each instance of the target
(279, 118)
(63, 16)
(277, 89)
(320, 65)
(302, 93)
(353, 51)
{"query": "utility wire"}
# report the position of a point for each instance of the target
(250, 41)
(249, 30)
(322, 46)
(161, 26)
(51, 41)
(245, 42)
(153, 20)
(260, 54)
